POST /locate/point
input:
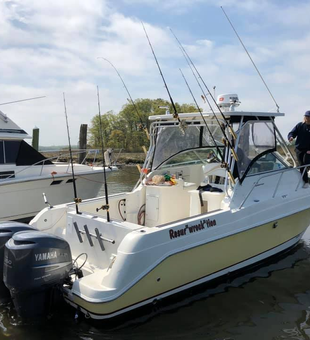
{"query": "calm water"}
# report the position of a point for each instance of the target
(271, 301)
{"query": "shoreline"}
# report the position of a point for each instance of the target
(122, 159)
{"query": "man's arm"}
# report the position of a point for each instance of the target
(293, 133)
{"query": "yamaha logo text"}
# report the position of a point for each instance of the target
(45, 256)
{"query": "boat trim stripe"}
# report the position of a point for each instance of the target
(146, 301)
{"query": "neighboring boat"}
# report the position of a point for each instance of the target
(25, 174)
(186, 222)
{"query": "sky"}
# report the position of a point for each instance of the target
(51, 48)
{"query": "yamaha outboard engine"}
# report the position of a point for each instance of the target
(36, 265)
(7, 230)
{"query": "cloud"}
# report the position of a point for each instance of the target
(51, 48)
(180, 6)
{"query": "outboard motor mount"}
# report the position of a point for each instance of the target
(7, 230)
(36, 265)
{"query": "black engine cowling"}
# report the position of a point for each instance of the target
(35, 265)
(7, 230)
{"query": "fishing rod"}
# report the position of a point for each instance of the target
(261, 77)
(22, 100)
(210, 133)
(106, 206)
(210, 94)
(204, 95)
(142, 125)
(76, 199)
(175, 114)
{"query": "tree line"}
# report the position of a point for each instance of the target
(123, 130)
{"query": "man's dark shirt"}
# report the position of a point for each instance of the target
(302, 132)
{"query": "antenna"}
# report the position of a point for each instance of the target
(106, 206)
(131, 100)
(261, 77)
(21, 100)
(214, 87)
(76, 199)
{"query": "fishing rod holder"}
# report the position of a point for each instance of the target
(90, 235)
(103, 207)
(46, 201)
(77, 200)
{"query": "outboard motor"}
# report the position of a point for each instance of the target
(36, 265)
(7, 230)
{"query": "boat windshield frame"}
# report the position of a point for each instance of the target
(167, 140)
(259, 147)
(237, 121)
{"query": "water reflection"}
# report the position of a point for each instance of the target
(121, 181)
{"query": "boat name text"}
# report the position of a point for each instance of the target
(45, 256)
(191, 229)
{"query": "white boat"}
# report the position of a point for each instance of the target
(161, 239)
(25, 174)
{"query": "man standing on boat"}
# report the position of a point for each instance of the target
(302, 144)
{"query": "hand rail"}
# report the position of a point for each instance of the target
(279, 172)
(42, 162)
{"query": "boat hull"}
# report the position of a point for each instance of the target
(194, 266)
(23, 199)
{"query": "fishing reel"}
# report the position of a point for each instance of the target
(182, 126)
(141, 127)
(103, 207)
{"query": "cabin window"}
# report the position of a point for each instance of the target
(1, 152)
(20, 153)
(11, 151)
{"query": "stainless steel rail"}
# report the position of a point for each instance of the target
(277, 173)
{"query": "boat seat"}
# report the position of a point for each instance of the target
(214, 176)
(165, 204)
(211, 201)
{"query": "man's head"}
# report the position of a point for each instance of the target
(307, 117)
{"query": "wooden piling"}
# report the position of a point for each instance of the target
(35, 138)
(83, 141)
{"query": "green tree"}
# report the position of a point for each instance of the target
(108, 124)
(124, 130)
(117, 139)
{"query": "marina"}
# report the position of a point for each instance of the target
(193, 222)
(195, 199)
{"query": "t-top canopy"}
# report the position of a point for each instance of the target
(196, 115)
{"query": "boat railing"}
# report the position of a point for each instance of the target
(279, 173)
(89, 153)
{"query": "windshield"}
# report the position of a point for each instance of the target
(255, 139)
(268, 162)
(197, 156)
(172, 141)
